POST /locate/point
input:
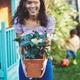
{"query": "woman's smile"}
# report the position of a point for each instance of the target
(33, 10)
(33, 7)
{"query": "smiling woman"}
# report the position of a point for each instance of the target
(31, 16)
(33, 7)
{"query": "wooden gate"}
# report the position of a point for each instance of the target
(8, 52)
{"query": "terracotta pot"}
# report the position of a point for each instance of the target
(33, 67)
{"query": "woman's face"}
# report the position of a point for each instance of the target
(33, 7)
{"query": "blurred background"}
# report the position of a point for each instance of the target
(67, 16)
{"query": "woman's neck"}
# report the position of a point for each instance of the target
(32, 22)
(33, 18)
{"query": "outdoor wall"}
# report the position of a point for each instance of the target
(5, 12)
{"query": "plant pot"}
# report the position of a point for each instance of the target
(33, 67)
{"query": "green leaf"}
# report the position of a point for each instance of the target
(36, 35)
(28, 36)
(18, 39)
(43, 36)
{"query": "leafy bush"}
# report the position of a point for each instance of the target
(63, 14)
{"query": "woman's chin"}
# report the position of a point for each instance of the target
(33, 14)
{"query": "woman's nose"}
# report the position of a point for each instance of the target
(32, 5)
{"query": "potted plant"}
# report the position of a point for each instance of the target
(34, 49)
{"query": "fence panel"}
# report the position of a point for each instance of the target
(11, 47)
(8, 52)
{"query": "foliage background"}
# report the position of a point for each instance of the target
(64, 21)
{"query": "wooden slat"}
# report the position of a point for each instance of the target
(8, 53)
(1, 71)
(11, 46)
(8, 57)
(4, 50)
(0, 50)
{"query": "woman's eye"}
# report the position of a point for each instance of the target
(35, 2)
(29, 2)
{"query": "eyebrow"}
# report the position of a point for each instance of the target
(31, 1)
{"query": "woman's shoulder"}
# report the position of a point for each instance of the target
(51, 21)
(17, 26)
(16, 20)
(51, 24)
(51, 18)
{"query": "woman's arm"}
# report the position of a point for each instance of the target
(50, 31)
(18, 31)
(20, 48)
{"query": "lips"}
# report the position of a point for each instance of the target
(33, 10)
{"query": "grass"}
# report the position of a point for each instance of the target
(71, 72)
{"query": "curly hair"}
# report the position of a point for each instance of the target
(22, 13)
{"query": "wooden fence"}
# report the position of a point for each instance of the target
(8, 52)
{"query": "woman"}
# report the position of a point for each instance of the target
(30, 15)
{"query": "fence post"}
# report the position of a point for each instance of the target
(13, 7)
(4, 50)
